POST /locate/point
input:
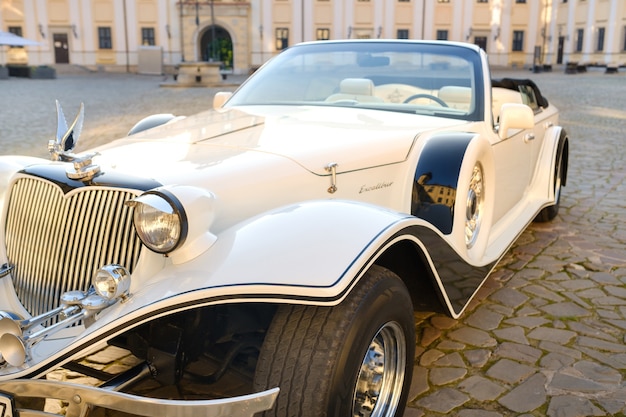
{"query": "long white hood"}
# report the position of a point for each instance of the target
(311, 137)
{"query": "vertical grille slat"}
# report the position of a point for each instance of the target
(58, 242)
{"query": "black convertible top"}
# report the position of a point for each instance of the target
(515, 83)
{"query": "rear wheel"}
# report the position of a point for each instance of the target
(549, 213)
(353, 359)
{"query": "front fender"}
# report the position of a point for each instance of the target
(311, 253)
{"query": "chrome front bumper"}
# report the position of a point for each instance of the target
(81, 398)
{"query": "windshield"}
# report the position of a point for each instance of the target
(423, 78)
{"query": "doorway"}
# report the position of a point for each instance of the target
(61, 49)
(559, 51)
(217, 45)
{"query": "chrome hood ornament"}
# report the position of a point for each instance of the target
(61, 148)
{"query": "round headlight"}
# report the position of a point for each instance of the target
(160, 221)
(112, 281)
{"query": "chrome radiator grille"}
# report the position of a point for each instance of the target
(57, 243)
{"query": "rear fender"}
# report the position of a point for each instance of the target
(556, 145)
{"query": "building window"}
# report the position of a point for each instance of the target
(443, 1)
(282, 38)
(482, 1)
(404, 1)
(322, 34)
(147, 36)
(600, 39)
(16, 30)
(518, 40)
(580, 35)
(442, 35)
(104, 37)
(481, 41)
(520, 1)
(624, 39)
(403, 34)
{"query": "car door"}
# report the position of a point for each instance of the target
(513, 156)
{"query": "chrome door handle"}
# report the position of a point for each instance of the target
(529, 137)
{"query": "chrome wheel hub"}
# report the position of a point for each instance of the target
(381, 376)
(474, 206)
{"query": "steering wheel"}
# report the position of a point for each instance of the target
(428, 96)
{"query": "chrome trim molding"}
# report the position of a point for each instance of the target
(81, 398)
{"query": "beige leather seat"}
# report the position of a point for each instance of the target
(456, 97)
(358, 89)
(499, 96)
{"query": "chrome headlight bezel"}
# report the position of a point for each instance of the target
(112, 282)
(160, 206)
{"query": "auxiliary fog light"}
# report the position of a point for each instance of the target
(112, 282)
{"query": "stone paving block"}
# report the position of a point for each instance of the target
(481, 389)
(450, 345)
(445, 376)
(578, 284)
(443, 322)
(539, 291)
(574, 384)
(430, 356)
(444, 400)
(598, 330)
(599, 344)
(616, 291)
(473, 337)
(509, 371)
(528, 396)
(555, 361)
(484, 318)
(452, 359)
(528, 322)
(513, 334)
(477, 357)
(478, 413)
(605, 278)
(598, 373)
(509, 297)
(566, 309)
(591, 293)
(572, 406)
(429, 335)
(616, 361)
(517, 352)
(559, 336)
(419, 382)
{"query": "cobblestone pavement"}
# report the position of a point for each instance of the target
(545, 336)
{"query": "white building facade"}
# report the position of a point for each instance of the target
(113, 34)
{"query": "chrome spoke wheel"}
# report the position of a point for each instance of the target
(381, 376)
(474, 206)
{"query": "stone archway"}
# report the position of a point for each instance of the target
(216, 45)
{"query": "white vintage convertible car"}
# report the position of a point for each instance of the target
(268, 255)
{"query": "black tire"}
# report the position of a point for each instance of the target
(316, 355)
(548, 214)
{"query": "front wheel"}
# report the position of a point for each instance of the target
(354, 359)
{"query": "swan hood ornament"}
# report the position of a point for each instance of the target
(61, 148)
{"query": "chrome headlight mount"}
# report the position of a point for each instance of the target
(17, 336)
(175, 221)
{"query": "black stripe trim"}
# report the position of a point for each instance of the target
(56, 174)
(459, 280)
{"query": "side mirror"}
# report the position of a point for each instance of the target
(515, 116)
(220, 98)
